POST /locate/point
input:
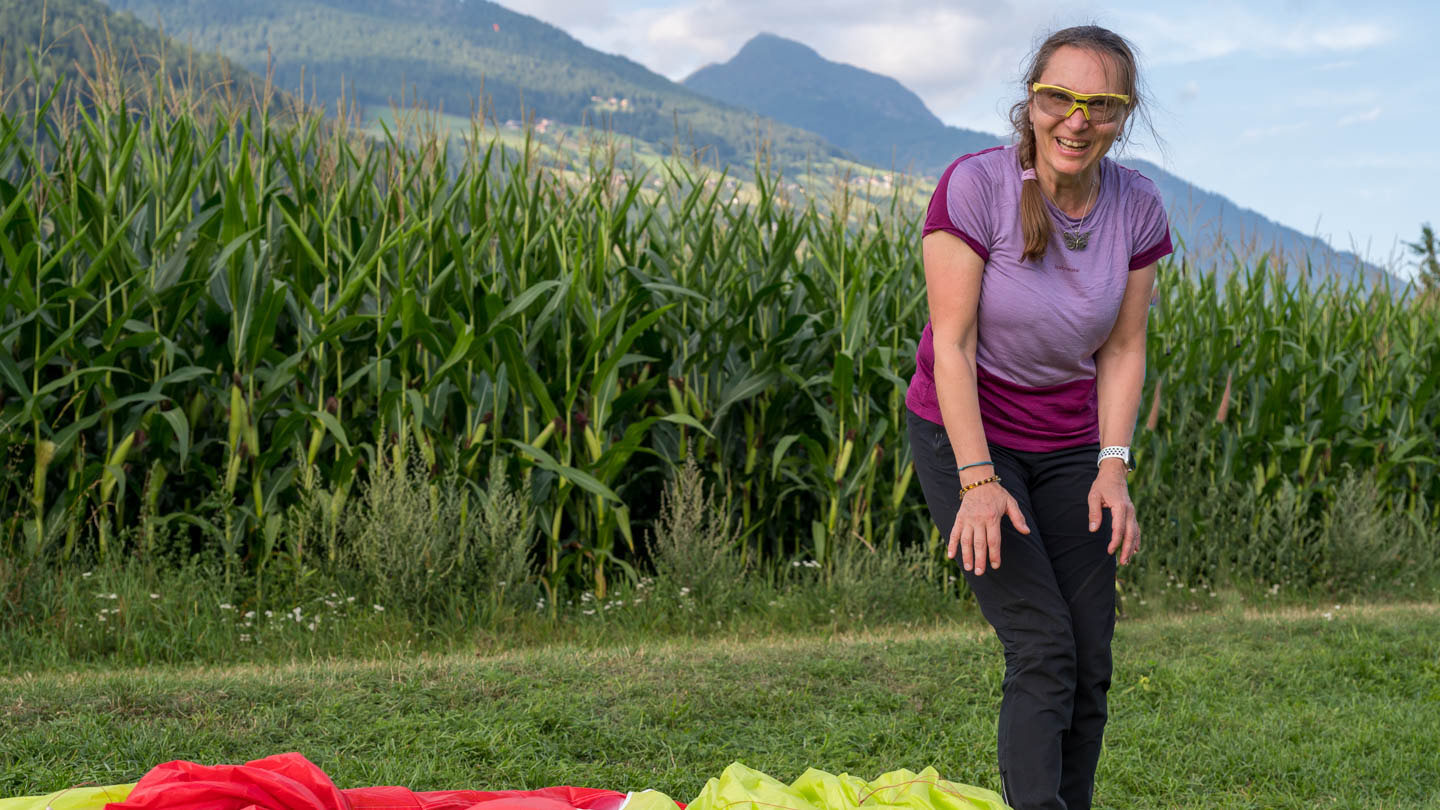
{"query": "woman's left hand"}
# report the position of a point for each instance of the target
(1110, 492)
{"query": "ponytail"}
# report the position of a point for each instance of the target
(1034, 218)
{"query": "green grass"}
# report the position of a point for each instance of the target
(1299, 707)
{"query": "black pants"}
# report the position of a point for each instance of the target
(1052, 604)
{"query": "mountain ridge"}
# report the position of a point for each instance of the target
(462, 54)
(870, 115)
(788, 80)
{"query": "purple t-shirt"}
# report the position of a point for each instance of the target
(1039, 322)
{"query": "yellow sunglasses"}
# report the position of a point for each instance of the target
(1100, 108)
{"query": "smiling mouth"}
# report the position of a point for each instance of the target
(1075, 146)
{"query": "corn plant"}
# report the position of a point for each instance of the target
(211, 319)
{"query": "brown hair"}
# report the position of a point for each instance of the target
(1034, 219)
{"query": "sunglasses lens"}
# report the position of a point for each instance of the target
(1105, 110)
(1054, 102)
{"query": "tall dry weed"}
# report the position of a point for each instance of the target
(692, 543)
(435, 538)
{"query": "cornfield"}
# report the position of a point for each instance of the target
(207, 323)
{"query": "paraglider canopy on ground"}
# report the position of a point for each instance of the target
(292, 782)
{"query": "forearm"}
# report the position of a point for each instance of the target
(1120, 363)
(958, 393)
(1119, 376)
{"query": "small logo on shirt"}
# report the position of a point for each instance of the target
(1067, 268)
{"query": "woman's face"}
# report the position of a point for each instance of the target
(1071, 146)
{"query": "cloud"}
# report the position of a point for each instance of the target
(1360, 118)
(950, 53)
(1327, 98)
(1275, 131)
(961, 57)
(1382, 161)
(1210, 32)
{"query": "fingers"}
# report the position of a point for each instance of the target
(1132, 540)
(1120, 519)
(994, 544)
(1094, 501)
(1017, 519)
(978, 542)
(1124, 531)
(980, 545)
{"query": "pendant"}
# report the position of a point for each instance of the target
(1075, 240)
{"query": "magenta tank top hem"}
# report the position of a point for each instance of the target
(1010, 414)
(1038, 420)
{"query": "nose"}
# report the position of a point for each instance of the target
(1076, 119)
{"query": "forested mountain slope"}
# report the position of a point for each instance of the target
(468, 55)
(872, 116)
(98, 51)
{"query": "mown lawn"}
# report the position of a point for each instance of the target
(1319, 707)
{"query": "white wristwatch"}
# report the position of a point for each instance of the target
(1117, 451)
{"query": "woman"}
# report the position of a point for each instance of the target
(1039, 263)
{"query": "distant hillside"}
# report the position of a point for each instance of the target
(883, 123)
(871, 116)
(453, 53)
(1213, 227)
(74, 32)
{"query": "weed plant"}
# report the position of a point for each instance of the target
(693, 545)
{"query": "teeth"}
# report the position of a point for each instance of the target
(1072, 144)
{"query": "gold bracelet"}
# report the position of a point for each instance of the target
(994, 479)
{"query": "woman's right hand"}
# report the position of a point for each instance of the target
(976, 533)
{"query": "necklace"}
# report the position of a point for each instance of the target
(1078, 238)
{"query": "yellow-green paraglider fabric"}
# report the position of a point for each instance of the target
(742, 788)
(737, 788)
(79, 798)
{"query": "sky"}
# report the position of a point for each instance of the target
(1318, 115)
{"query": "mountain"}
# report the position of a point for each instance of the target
(98, 52)
(873, 117)
(883, 123)
(458, 54)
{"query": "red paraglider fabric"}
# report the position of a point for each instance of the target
(292, 782)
